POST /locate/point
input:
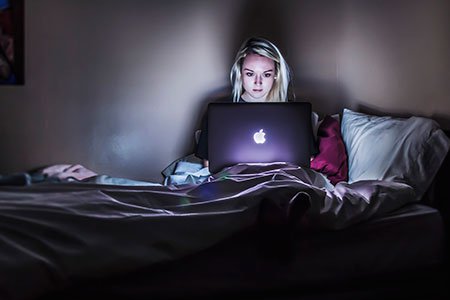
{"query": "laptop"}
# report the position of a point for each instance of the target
(258, 133)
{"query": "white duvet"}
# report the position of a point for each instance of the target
(53, 233)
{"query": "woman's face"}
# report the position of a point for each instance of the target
(257, 77)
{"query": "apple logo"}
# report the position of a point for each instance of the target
(259, 137)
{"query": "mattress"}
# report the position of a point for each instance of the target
(408, 239)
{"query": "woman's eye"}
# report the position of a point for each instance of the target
(267, 75)
(249, 74)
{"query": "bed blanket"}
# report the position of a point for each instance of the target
(52, 234)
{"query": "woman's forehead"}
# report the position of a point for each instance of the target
(253, 60)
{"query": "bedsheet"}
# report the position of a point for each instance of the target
(52, 234)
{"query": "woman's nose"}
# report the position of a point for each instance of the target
(258, 79)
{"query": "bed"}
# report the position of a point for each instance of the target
(380, 232)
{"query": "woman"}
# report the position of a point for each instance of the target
(259, 74)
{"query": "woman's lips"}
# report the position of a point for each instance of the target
(257, 90)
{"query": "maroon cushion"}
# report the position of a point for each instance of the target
(332, 157)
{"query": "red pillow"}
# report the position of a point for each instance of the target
(332, 157)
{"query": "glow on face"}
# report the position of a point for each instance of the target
(257, 77)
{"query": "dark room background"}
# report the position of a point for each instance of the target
(119, 86)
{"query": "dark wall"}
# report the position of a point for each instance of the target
(394, 55)
(119, 86)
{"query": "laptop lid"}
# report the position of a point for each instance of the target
(258, 133)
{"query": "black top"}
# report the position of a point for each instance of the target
(201, 150)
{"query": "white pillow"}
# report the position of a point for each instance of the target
(409, 150)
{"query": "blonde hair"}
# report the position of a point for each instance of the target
(281, 85)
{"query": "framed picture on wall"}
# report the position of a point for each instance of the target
(11, 42)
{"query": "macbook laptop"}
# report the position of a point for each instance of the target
(258, 133)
